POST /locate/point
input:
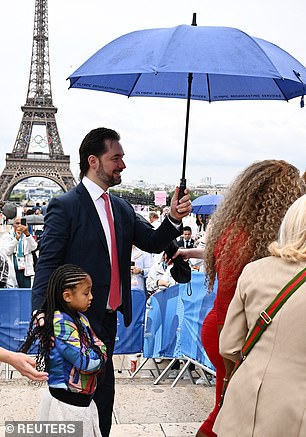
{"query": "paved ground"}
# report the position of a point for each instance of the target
(141, 408)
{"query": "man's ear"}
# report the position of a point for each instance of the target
(67, 296)
(92, 161)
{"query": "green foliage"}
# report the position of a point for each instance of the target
(17, 197)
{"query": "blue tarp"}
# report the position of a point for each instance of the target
(15, 315)
(197, 302)
(163, 319)
(129, 340)
(174, 320)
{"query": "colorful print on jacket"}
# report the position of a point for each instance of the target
(71, 367)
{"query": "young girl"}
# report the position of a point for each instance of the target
(68, 349)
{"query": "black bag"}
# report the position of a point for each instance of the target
(181, 271)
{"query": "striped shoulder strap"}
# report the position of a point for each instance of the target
(266, 316)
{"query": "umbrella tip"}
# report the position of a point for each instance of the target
(194, 19)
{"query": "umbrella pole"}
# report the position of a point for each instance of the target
(190, 77)
(183, 179)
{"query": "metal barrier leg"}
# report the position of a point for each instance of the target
(164, 372)
(121, 364)
(181, 373)
(156, 367)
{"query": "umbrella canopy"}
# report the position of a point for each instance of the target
(206, 204)
(193, 62)
(227, 64)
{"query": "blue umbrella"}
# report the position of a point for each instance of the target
(193, 62)
(206, 204)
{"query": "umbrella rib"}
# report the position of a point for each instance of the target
(280, 90)
(208, 88)
(135, 83)
(73, 80)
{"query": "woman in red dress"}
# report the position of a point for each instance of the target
(240, 230)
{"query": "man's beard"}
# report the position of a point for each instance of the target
(110, 181)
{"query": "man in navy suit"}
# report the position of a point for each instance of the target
(186, 241)
(77, 231)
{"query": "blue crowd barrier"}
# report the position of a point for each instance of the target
(197, 302)
(129, 340)
(163, 318)
(15, 315)
(174, 320)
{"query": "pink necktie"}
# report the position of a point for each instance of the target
(114, 292)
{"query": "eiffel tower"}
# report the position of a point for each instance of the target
(38, 151)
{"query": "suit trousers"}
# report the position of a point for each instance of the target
(105, 392)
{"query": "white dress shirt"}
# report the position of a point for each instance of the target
(95, 193)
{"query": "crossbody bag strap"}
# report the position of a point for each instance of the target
(266, 316)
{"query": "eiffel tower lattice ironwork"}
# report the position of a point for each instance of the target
(38, 151)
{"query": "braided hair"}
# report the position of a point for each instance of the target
(67, 276)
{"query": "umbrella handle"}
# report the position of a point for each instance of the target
(182, 188)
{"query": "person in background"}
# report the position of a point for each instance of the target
(4, 270)
(90, 227)
(141, 263)
(272, 401)
(36, 207)
(159, 276)
(154, 219)
(17, 244)
(200, 223)
(23, 363)
(240, 230)
(186, 240)
(44, 208)
(38, 228)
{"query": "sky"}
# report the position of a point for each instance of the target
(224, 137)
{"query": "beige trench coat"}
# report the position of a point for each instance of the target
(266, 397)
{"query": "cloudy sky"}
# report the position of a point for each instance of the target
(224, 137)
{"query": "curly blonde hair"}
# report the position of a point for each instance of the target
(291, 243)
(253, 206)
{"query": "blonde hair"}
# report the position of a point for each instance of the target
(291, 244)
(250, 214)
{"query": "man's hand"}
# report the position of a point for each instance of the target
(180, 208)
